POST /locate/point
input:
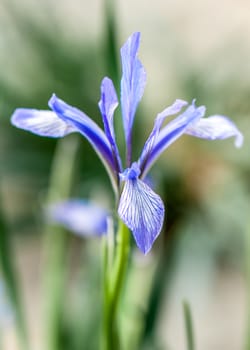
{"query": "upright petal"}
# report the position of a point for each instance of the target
(171, 132)
(79, 216)
(215, 127)
(142, 210)
(149, 144)
(107, 105)
(39, 122)
(89, 129)
(132, 84)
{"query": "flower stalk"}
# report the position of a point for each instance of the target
(113, 286)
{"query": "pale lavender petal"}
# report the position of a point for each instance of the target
(142, 210)
(107, 105)
(43, 123)
(215, 127)
(171, 110)
(132, 84)
(171, 132)
(90, 130)
(79, 216)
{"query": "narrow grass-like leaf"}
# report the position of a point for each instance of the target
(110, 42)
(188, 326)
(7, 265)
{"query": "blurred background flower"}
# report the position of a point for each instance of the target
(190, 50)
(79, 216)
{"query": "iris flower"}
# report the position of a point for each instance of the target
(140, 208)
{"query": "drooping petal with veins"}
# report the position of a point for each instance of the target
(172, 131)
(42, 123)
(215, 127)
(107, 104)
(142, 210)
(132, 83)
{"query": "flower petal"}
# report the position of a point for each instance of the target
(107, 105)
(43, 123)
(171, 110)
(79, 216)
(215, 127)
(142, 210)
(171, 132)
(90, 130)
(132, 83)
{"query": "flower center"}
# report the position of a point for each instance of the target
(131, 173)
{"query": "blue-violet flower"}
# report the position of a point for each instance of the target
(141, 209)
(82, 217)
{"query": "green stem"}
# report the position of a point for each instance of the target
(8, 268)
(55, 242)
(188, 326)
(113, 290)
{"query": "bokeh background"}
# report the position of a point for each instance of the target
(190, 50)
